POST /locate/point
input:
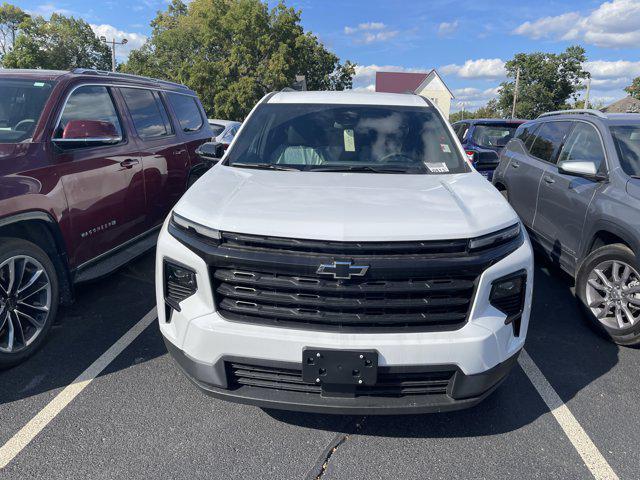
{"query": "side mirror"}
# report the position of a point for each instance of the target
(88, 132)
(210, 152)
(587, 169)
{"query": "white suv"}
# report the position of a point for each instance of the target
(344, 258)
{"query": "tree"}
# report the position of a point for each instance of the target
(10, 19)
(61, 43)
(634, 88)
(232, 52)
(490, 110)
(547, 81)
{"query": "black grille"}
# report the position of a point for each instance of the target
(511, 305)
(310, 247)
(434, 303)
(390, 384)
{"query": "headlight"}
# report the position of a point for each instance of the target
(182, 223)
(495, 238)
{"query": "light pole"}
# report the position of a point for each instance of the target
(113, 44)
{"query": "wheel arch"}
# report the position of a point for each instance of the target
(607, 233)
(40, 228)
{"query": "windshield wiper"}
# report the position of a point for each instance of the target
(264, 166)
(359, 168)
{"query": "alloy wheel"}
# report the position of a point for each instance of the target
(25, 302)
(613, 294)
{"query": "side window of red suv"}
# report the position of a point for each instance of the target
(148, 113)
(89, 113)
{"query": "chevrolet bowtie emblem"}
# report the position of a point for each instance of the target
(342, 270)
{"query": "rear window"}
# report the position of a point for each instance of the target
(367, 138)
(187, 111)
(492, 136)
(627, 140)
(216, 128)
(148, 112)
(21, 104)
(548, 140)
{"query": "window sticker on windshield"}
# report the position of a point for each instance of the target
(445, 148)
(439, 167)
(349, 141)
(38, 84)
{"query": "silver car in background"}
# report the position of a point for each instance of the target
(573, 177)
(224, 131)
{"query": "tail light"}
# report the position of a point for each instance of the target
(471, 155)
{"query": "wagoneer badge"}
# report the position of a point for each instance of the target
(342, 270)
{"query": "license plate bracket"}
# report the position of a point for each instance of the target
(339, 367)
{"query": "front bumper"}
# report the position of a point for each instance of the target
(480, 353)
(463, 391)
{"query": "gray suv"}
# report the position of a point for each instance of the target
(574, 178)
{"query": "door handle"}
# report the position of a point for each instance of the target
(515, 164)
(549, 180)
(129, 163)
(179, 152)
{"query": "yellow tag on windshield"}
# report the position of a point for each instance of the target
(349, 141)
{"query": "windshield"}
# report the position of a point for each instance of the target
(21, 103)
(366, 138)
(492, 136)
(627, 140)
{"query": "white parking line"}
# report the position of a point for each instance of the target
(593, 459)
(27, 433)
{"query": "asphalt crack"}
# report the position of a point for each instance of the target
(319, 469)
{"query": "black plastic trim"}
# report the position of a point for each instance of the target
(464, 390)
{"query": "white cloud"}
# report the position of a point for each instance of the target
(613, 69)
(614, 24)
(134, 40)
(488, 68)
(446, 29)
(370, 32)
(473, 97)
(46, 9)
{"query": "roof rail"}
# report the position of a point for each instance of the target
(92, 71)
(288, 89)
(578, 111)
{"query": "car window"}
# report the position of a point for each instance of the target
(627, 141)
(148, 113)
(529, 135)
(582, 145)
(228, 137)
(548, 140)
(216, 128)
(366, 138)
(461, 130)
(492, 135)
(187, 111)
(90, 103)
(21, 103)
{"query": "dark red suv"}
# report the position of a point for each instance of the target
(90, 164)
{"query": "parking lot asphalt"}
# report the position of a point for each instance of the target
(141, 418)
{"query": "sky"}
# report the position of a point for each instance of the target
(467, 41)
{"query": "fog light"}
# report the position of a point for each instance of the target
(179, 283)
(508, 296)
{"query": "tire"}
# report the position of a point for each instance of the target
(608, 299)
(34, 293)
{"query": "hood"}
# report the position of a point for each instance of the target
(346, 206)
